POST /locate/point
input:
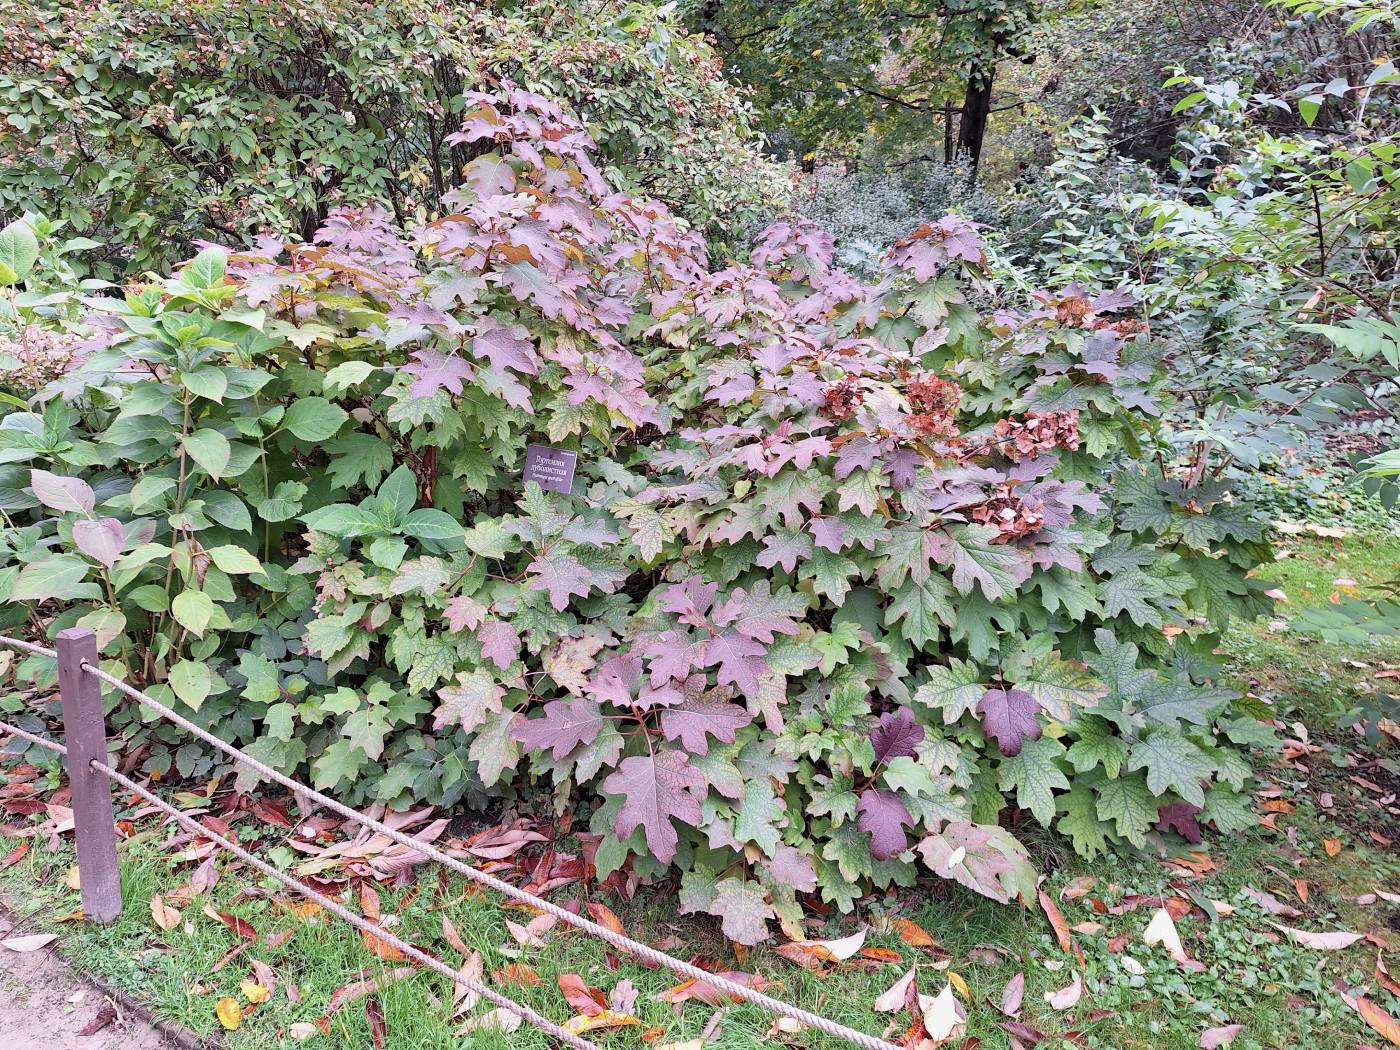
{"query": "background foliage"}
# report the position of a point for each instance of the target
(148, 125)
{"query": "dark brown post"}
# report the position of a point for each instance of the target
(85, 733)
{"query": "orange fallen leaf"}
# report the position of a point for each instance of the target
(239, 926)
(884, 955)
(1057, 921)
(517, 973)
(380, 948)
(1378, 1019)
(1332, 846)
(912, 934)
(254, 992)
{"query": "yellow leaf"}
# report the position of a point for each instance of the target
(959, 985)
(254, 992)
(73, 881)
(604, 1019)
(230, 1015)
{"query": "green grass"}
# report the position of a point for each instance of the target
(1284, 994)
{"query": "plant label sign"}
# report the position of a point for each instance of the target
(550, 468)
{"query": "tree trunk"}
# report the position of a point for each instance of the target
(976, 109)
(948, 152)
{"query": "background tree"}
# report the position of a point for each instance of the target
(828, 74)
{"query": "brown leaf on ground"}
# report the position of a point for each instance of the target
(1383, 1023)
(580, 995)
(464, 998)
(452, 937)
(1057, 921)
(1332, 846)
(706, 992)
(1271, 904)
(912, 934)
(1013, 995)
(162, 914)
(893, 998)
(1212, 1038)
(378, 1030)
(355, 990)
(239, 926)
(1077, 887)
(369, 902)
(517, 973)
(380, 948)
(106, 1014)
(1068, 996)
(14, 856)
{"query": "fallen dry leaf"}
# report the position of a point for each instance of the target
(254, 991)
(1383, 1023)
(1212, 1038)
(1162, 930)
(349, 993)
(1327, 942)
(1057, 921)
(943, 1015)
(601, 1021)
(464, 998)
(1271, 904)
(578, 994)
(162, 914)
(498, 1020)
(374, 1016)
(230, 1014)
(32, 943)
(912, 934)
(239, 926)
(302, 1030)
(1012, 995)
(14, 856)
(1077, 887)
(1332, 846)
(517, 973)
(896, 995)
(1067, 996)
(380, 948)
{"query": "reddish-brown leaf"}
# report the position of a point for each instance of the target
(912, 934)
(239, 926)
(349, 993)
(1057, 921)
(1377, 1018)
(380, 948)
(517, 973)
(14, 856)
(577, 993)
(374, 1014)
(369, 902)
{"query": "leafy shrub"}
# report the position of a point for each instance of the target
(151, 124)
(843, 568)
(868, 210)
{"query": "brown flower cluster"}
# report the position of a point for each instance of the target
(1020, 440)
(1009, 514)
(42, 357)
(1074, 311)
(935, 403)
(843, 397)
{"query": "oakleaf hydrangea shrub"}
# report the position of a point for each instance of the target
(857, 580)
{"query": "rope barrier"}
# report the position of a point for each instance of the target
(335, 908)
(621, 941)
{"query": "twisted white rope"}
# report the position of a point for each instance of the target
(334, 907)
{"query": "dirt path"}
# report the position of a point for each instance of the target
(44, 1005)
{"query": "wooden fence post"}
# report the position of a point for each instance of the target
(85, 733)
